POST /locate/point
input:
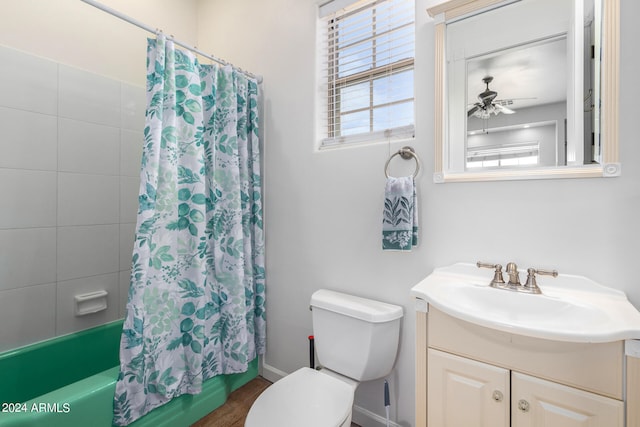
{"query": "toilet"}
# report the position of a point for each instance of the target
(356, 339)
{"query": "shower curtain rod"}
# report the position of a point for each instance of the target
(157, 31)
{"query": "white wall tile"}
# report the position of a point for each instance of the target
(129, 189)
(125, 280)
(67, 321)
(28, 82)
(27, 315)
(85, 199)
(27, 257)
(28, 198)
(88, 147)
(131, 143)
(134, 103)
(70, 157)
(87, 251)
(127, 236)
(28, 139)
(89, 97)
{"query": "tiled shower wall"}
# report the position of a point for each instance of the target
(70, 148)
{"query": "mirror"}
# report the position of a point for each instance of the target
(526, 89)
(516, 108)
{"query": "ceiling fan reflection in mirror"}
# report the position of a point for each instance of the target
(488, 105)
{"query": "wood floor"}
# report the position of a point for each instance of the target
(234, 411)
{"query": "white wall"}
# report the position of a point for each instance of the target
(74, 33)
(323, 209)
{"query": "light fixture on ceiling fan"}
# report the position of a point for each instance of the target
(486, 105)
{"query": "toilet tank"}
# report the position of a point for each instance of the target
(355, 337)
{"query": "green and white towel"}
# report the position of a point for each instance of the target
(400, 218)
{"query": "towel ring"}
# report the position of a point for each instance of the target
(406, 153)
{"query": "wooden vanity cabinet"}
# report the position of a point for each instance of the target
(465, 392)
(479, 377)
(540, 403)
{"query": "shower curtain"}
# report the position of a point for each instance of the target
(197, 294)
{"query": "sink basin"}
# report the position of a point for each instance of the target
(571, 308)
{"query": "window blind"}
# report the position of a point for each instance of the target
(367, 72)
(524, 153)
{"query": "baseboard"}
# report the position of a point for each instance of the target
(361, 416)
(365, 417)
(271, 373)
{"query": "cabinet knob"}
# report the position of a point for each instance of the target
(497, 395)
(523, 405)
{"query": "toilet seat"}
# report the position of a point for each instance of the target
(307, 398)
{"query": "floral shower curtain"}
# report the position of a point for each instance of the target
(196, 300)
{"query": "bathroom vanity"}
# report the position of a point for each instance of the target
(487, 356)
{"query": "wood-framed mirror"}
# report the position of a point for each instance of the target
(526, 89)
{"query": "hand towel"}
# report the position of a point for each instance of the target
(400, 216)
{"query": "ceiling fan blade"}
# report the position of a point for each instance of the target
(505, 102)
(473, 110)
(503, 110)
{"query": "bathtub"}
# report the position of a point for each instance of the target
(70, 380)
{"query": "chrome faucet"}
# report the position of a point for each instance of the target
(514, 276)
(530, 286)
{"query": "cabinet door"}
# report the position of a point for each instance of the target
(465, 393)
(540, 403)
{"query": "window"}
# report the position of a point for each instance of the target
(367, 72)
(506, 155)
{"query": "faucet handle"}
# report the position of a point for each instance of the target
(531, 285)
(553, 273)
(497, 281)
(481, 264)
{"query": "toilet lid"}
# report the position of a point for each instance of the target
(304, 398)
